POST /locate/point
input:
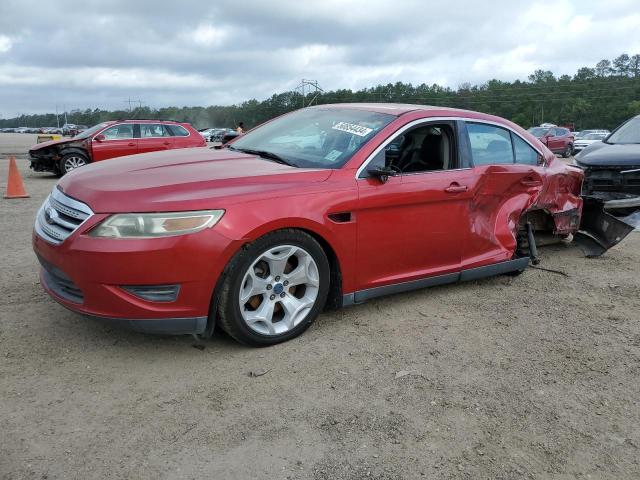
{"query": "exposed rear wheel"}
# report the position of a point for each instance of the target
(568, 151)
(274, 289)
(71, 161)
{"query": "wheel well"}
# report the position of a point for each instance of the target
(334, 300)
(67, 151)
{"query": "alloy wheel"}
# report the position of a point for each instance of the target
(279, 290)
(73, 162)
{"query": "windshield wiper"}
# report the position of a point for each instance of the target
(264, 154)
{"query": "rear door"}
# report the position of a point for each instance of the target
(154, 137)
(510, 175)
(183, 138)
(119, 140)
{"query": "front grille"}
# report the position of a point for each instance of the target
(60, 283)
(59, 216)
(618, 179)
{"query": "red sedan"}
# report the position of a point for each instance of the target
(110, 140)
(323, 207)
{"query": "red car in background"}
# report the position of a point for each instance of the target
(323, 207)
(112, 139)
(557, 139)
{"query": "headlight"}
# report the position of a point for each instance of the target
(150, 225)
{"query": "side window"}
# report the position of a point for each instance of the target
(425, 148)
(525, 154)
(489, 144)
(152, 130)
(177, 131)
(119, 132)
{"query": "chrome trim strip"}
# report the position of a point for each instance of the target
(438, 119)
(59, 195)
(140, 138)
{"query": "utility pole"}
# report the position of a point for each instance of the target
(129, 101)
(57, 118)
(65, 113)
(312, 86)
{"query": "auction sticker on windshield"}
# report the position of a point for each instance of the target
(352, 129)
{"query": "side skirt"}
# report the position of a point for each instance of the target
(463, 276)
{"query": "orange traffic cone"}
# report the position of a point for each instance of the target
(15, 187)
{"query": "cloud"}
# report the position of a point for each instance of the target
(5, 44)
(97, 54)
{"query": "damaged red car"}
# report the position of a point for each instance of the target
(112, 139)
(323, 207)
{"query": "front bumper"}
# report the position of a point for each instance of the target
(44, 163)
(87, 276)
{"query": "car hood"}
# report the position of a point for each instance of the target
(606, 155)
(43, 145)
(184, 179)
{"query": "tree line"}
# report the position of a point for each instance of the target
(601, 96)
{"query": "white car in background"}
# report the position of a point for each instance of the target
(586, 139)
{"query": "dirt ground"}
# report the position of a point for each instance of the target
(535, 376)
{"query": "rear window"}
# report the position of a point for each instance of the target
(153, 130)
(489, 144)
(177, 130)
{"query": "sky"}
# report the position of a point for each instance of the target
(90, 54)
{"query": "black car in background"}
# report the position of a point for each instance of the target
(612, 169)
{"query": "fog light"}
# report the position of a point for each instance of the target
(154, 293)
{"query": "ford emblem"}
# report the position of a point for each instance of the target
(49, 215)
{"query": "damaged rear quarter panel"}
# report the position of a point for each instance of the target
(560, 197)
(504, 193)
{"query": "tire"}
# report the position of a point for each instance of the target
(258, 305)
(71, 161)
(568, 151)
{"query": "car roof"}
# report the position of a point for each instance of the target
(146, 120)
(398, 109)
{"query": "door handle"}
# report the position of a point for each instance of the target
(131, 144)
(456, 188)
(530, 182)
(166, 143)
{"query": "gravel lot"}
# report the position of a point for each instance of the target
(535, 376)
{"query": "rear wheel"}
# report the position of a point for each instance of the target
(568, 151)
(274, 288)
(71, 161)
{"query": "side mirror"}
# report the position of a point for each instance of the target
(382, 173)
(99, 138)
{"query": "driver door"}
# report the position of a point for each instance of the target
(412, 226)
(118, 141)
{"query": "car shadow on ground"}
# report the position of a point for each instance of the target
(102, 332)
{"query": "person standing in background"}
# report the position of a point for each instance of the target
(240, 128)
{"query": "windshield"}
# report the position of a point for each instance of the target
(315, 137)
(538, 131)
(91, 131)
(628, 133)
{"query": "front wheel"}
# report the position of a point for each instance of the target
(274, 288)
(71, 161)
